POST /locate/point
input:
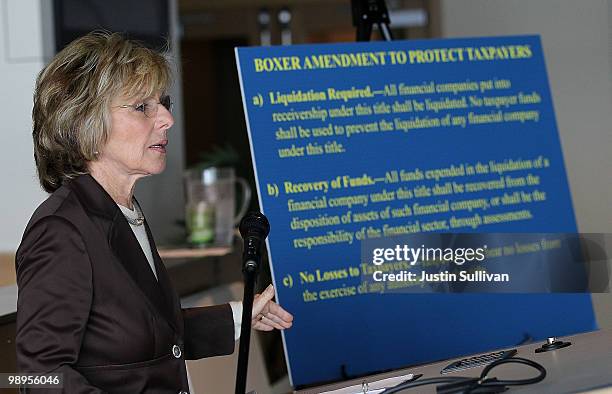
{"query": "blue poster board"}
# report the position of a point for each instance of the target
(359, 140)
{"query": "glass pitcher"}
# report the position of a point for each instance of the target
(210, 212)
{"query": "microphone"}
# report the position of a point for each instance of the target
(254, 228)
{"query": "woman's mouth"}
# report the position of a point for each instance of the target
(160, 147)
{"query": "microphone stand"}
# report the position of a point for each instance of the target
(254, 228)
(249, 271)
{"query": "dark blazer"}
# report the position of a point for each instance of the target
(89, 306)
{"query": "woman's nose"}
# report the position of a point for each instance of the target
(164, 119)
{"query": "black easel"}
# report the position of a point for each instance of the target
(367, 13)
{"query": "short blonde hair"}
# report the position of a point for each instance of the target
(72, 99)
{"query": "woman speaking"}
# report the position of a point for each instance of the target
(95, 301)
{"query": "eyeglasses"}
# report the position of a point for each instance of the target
(149, 106)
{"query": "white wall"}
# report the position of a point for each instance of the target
(26, 42)
(577, 41)
(21, 58)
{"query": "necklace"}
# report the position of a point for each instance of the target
(135, 222)
(138, 221)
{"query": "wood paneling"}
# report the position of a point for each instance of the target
(7, 269)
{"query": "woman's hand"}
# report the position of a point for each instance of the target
(267, 314)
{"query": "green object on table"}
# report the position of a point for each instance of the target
(201, 224)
